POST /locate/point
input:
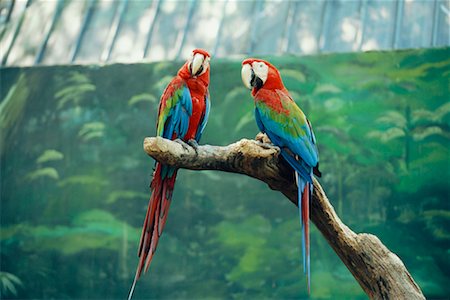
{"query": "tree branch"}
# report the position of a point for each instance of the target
(381, 273)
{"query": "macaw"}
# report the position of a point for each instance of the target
(287, 127)
(183, 113)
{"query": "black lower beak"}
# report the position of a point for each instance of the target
(199, 71)
(255, 81)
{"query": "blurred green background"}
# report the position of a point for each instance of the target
(75, 180)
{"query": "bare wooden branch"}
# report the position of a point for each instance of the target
(381, 273)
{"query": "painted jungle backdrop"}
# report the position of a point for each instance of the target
(75, 180)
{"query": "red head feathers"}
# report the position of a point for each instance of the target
(197, 66)
(258, 73)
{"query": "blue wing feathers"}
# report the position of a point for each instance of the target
(186, 100)
(204, 120)
(177, 121)
(301, 146)
(301, 165)
(298, 165)
(258, 120)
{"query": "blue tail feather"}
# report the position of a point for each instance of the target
(303, 171)
(301, 187)
(303, 176)
(303, 205)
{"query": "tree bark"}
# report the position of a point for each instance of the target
(381, 273)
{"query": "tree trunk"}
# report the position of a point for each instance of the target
(381, 273)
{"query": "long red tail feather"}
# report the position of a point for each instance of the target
(305, 220)
(154, 221)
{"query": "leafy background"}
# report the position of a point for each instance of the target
(74, 180)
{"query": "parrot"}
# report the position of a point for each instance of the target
(182, 116)
(279, 117)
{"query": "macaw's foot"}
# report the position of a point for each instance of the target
(182, 143)
(265, 142)
(263, 138)
(193, 143)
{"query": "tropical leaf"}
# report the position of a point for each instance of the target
(236, 93)
(394, 118)
(48, 172)
(432, 116)
(429, 214)
(386, 136)
(422, 114)
(244, 120)
(142, 98)
(437, 222)
(124, 194)
(12, 108)
(49, 155)
(249, 233)
(294, 74)
(422, 133)
(228, 106)
(334, 104)
(83, 180)
(92, 135)
(93, 126)
(73, 89)
(435, 153)
(8, 284)
(78, 77)
(73, 94)
(442, 110)
(327, 88)
(93, 229)
(91, 130)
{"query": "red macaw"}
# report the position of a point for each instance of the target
(183, 114)
(287, 127)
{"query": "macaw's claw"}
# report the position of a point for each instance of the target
(182, 143)
(263, 138)
(269, 146)
(265, 142)
(193, 143)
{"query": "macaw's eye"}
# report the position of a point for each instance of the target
(261, 65)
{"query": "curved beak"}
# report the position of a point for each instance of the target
(197, 64)
(247, 75)
(250, 79)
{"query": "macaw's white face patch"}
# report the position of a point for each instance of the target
(261, 70)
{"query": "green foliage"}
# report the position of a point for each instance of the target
(93, 229)
(91, 130)
(48, 172)
(75, 182)
(73, 89)
(9, 283)
(49, 155)
(142, 98)
(11, 108)
(124, 194)
(438, 221)
(83, 180)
